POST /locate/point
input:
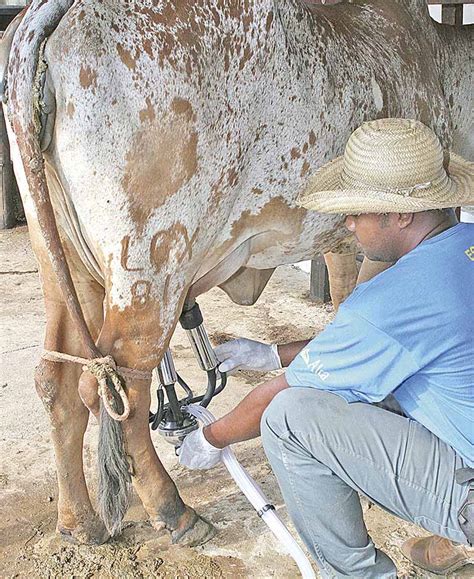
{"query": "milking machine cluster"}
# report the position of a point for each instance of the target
(170, 419)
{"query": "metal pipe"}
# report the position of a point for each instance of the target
(166, 371)
(191, 320)
(202, 348)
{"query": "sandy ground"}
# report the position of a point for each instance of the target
(243, 547)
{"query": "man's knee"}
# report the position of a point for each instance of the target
(272, 423)
(292, 407)
(274, 414)
(300, 410)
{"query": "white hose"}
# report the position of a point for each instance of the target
(258, 500)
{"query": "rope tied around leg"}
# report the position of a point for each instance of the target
(108, 376)
(105, 372)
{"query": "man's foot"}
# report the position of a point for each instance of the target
(437, 555)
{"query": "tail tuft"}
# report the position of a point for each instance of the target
(114, 473)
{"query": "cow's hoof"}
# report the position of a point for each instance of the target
(198, 532)
(92, 532)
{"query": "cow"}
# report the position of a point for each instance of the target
(160, 148)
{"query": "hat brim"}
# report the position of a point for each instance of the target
(324, 193)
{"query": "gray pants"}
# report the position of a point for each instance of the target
(324, 452)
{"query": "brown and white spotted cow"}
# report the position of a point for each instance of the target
(176, 136)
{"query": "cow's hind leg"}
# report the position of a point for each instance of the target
(57, 386)
(137, 338)
(370, 269)
(342, 270)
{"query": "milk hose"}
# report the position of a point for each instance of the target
(258, 500)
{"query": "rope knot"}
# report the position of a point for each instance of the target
(109, 377)
(105, 371)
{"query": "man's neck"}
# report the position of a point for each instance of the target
(423, 231)
(446, 223)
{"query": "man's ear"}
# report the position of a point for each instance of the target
(405, 219)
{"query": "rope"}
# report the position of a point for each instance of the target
(109, 377)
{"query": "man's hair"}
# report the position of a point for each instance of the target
(434, 214)
(448, 212)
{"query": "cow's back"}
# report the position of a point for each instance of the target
(207, 119)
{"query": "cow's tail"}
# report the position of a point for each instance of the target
(114, 474)
(24, 109)
(26, 66)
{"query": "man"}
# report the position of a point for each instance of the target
(404, 337)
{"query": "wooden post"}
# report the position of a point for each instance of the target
(451, 11)
(10, 203)
(319, 281)
(9, 197)
(452, 14)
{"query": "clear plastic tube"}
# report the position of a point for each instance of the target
(255, 496)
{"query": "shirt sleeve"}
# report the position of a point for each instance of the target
(354, 359)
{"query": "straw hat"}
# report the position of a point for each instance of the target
(390, 165)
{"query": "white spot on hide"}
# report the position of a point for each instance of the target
(118, 344)
(377, 92)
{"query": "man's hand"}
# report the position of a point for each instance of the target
(244, 354)
(197, 453)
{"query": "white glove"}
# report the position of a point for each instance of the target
(244, 354)
(197, 453)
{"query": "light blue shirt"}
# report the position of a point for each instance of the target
(408, 331)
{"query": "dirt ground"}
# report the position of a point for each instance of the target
(243, 547)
